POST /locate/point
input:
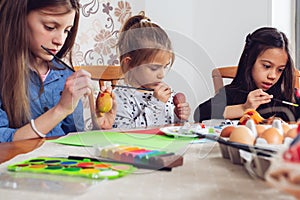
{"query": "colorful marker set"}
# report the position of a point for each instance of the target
(140, 157)
(72, 167)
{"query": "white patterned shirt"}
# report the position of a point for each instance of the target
(142, 109)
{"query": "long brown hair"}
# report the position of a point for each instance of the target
(14, 54)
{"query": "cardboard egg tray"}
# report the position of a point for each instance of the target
(256, 160)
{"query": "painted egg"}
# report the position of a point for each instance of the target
(242, 134)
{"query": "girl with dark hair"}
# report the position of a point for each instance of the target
(39, 96)
(265, 70)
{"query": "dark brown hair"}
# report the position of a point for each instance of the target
(256, 43)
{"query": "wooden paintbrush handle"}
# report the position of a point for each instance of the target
(93, 112)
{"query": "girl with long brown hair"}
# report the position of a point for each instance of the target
(39, 96)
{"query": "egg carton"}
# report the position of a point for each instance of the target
(255, 165)
(231, 153)
(256, 160)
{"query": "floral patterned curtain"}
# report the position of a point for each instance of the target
(99, 25)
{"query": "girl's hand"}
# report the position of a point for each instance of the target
(256, 98)
(182, 110)
(107, 120)
(79, 84)
(162, 92)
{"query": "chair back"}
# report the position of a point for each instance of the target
(222, 72)
(103, 73)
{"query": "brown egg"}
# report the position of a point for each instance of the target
(226, 131)
(272, 136)
(292, 133)
(242, 134)
(260, 129)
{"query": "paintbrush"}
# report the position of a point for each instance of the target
(129, 87)
(91, 97)
(286, 102)
(249, 148)
(66, 65)
(277, 100)
(57, 58)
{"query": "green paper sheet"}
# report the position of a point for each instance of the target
(150, 141)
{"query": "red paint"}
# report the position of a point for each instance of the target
(85, 164)
(155, 131)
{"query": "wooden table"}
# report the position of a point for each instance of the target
(11, 149)
(204, 175)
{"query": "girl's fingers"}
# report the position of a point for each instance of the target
(185, 110)
(182, 105)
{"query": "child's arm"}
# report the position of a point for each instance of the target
(234, 112)
(254, 99)
(76, 86)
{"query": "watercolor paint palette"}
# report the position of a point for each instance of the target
(140, 157)
(71, 167)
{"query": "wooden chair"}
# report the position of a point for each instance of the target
(222, 72)
(218, 74)
(101, 73)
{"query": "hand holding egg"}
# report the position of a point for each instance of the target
(182, 108)
(104, 102)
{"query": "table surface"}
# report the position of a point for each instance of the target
(12, 149)
(204, 174)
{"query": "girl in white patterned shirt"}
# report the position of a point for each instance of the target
(145, 55)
